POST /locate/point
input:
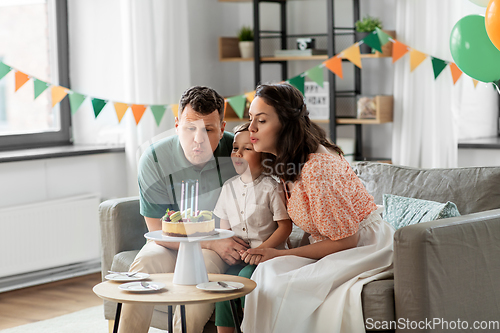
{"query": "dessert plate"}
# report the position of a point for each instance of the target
(214, 286)
(123, 277)
(137, 287)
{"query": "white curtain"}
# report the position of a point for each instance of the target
(428, 112)
(155, 67)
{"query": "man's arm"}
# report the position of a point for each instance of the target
(155, 224)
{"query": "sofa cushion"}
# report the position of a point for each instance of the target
(378, 301)
(401, 211)
(473, 189)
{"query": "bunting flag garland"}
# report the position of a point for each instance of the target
(383, 37)
(438, 66)
(21, 79)
(416, 58)
(120, 109)
(4, 70)
(398, 50)
(175, 109)
(250, 96)
(455, 72)
(138, 111)
(238, 104)
(39, 87)
(373, 41)
(298, 82)
(334, 64)
(58, 93)
(316, 74)
(158, 112)
(75, 101)
(98, 105)
(353, 55)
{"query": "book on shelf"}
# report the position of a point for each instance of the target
(299, 53)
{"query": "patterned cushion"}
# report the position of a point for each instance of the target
(402, 211)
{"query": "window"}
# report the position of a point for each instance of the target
(33, 40)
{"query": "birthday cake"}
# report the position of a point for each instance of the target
(186, 223)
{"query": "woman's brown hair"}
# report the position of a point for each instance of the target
(298, 136)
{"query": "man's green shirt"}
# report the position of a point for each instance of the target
(163, 167)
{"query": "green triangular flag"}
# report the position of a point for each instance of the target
(98, 104)
(373, 41)
(158, 112)
(238, 104)
(437, 66)
(75, 100)
(316, 74)
(382, 36)
(298, 82)
(4, 69)
(40, 87)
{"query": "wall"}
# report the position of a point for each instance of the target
(47, 179)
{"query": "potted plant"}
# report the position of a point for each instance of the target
(364, 27)
(245, 37)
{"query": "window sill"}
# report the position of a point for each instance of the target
(58, 151)
(481, 143)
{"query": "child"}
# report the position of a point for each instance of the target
(252, 205)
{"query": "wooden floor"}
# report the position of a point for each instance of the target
(46, 301)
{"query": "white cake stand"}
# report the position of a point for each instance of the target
(190, 266)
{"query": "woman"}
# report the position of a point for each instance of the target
(315, 287)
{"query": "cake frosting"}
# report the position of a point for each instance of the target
(184, 224)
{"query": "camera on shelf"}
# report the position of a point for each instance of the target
(306, 43)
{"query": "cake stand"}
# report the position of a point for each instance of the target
(190, 266)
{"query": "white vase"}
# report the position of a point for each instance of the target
(246, 49)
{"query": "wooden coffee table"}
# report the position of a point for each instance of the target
(175, 294)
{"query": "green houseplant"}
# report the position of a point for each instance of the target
(364, 27)
(245, 37)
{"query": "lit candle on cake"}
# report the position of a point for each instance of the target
(196, 199)
(182, 197)
(185, 208)
(192, 200)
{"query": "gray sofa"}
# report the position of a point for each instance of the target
(446, 272)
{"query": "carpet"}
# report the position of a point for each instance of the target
(90, 320)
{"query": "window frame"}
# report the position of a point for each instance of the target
(62, 136)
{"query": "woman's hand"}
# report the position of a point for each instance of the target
(265, 253)
(252, 259)
(228, 249)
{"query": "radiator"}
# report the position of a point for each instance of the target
(44, 235)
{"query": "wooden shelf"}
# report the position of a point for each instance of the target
(384, 110)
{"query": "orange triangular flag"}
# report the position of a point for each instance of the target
(416, 58)
(334, 64)
(175, 109)
(352, 54)
(455, 72)
(250, 96)
(475, 82)
(138, 111)
(21, 79)
(58, 93)
(398, 50)
(120, 109)
(225, 108)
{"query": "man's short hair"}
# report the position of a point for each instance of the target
(204, 100)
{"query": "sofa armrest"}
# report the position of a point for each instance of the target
(448, 270)
(122, 228)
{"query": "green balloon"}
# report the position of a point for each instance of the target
(473, 51)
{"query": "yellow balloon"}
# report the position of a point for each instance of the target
(492, 22)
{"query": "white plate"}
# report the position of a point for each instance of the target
(213, 286)
(122, 277)
(138, 288)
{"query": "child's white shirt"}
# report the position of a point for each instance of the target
(254, 208)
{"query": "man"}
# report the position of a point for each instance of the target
(200, 151)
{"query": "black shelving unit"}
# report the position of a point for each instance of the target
(332, 32)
